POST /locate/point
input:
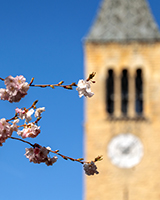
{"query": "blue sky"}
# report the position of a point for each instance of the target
(43, 39)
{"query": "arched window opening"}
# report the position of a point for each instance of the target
(139, 92)
(110, 92)
(124, 92)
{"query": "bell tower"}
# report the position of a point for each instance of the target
(122, 120)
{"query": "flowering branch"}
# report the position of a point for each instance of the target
(25, 110)
(48, 148)
(16, 88)
(38, 154)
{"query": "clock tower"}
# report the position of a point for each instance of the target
(122, 120)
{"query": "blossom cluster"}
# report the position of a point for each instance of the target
(30, 130)
(16, 88)
(39, 154)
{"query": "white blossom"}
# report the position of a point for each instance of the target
(14, 126)
(28, 114)
(25, 114)
(39, 111)
(84, 88)
(48, 148)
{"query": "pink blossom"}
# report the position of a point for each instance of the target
(20, 112)
(51, 161)
(20, 80)
(90, 168)
(36, 155)
(10, 80)
(30, 130)
(25, 114)
(39, 154)
(14, 126)
(16, 88)
(3, 94)
(5, 130)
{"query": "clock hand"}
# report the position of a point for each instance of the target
(127, 150)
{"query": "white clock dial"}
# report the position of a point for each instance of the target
(125, 150)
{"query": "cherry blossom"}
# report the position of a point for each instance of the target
(5, 130)
(39, 111)
(84, 88)
(4, 94)
(16, 88)
(25, 114)
(30, 130)
(90, 168)
(39, 154)
(14, 126)
(20, 112)
(51, 161)
(28, 114)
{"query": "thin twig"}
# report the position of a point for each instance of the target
(1, 79)
(12, 118)
(22, 141)
(56, 152)
(66, 157)
(55, 85)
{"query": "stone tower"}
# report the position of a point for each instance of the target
(122, 120)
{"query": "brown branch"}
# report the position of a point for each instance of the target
(55, 152)
(33, 105)
(15, 117)
(14, 138)
(67, 157)
(55, 85)
(1, 79)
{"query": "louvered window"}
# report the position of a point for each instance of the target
(110, 92)
(139, 92)
(124, 92)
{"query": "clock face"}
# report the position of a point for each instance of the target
(125, 150)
